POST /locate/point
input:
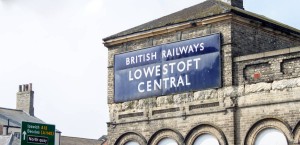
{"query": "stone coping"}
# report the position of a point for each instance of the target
(267, 54)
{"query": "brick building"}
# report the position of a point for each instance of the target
(11, 119)
(258, 98)
(67, 140)
(11, 122)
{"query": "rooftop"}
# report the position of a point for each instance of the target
(4, 139)
(200, 11)
(16, 117)
(66, 140)
(9, 140)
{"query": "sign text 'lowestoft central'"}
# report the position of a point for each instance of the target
(171, 68)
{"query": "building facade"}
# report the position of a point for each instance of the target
(259, 89)
(11, 119)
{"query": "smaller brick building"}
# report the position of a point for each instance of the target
(11, 122)
(11, 119)
(67, 140)
(258, 95)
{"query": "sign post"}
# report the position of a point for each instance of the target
(37, 134)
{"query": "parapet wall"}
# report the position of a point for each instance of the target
(251, 37)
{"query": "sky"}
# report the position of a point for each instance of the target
(57, 46)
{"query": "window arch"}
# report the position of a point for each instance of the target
(167, 141)
(206, 134)
(267, 128)
(206, 139)
(270, 136)
(166, 137)
(131, 138)
(132, 143)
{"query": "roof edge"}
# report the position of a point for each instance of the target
(79, 137)
(202, 21)
(11, 109)
(167, 29)
(221, 3)
(271, 22)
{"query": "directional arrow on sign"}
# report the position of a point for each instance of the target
(24, 134)
(30, 133)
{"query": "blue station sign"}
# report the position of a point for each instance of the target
(188, 65)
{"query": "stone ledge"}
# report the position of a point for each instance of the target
(130, 119)
(178, 114)
(269, 98)
(259, 87)
(285, 84)
(267, 54)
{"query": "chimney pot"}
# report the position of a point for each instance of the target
(30, 86)
(25, 99)
(235, 3)
(20, 88)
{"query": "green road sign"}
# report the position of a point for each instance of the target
(37, 134)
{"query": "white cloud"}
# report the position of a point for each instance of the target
(94, 7)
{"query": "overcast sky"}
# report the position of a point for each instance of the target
(57, 46)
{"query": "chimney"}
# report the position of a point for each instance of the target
(25, 99)
(235, 3)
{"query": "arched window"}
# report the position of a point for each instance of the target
(132, 143)
(270, 136)
(206, 139)
(167, 141)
